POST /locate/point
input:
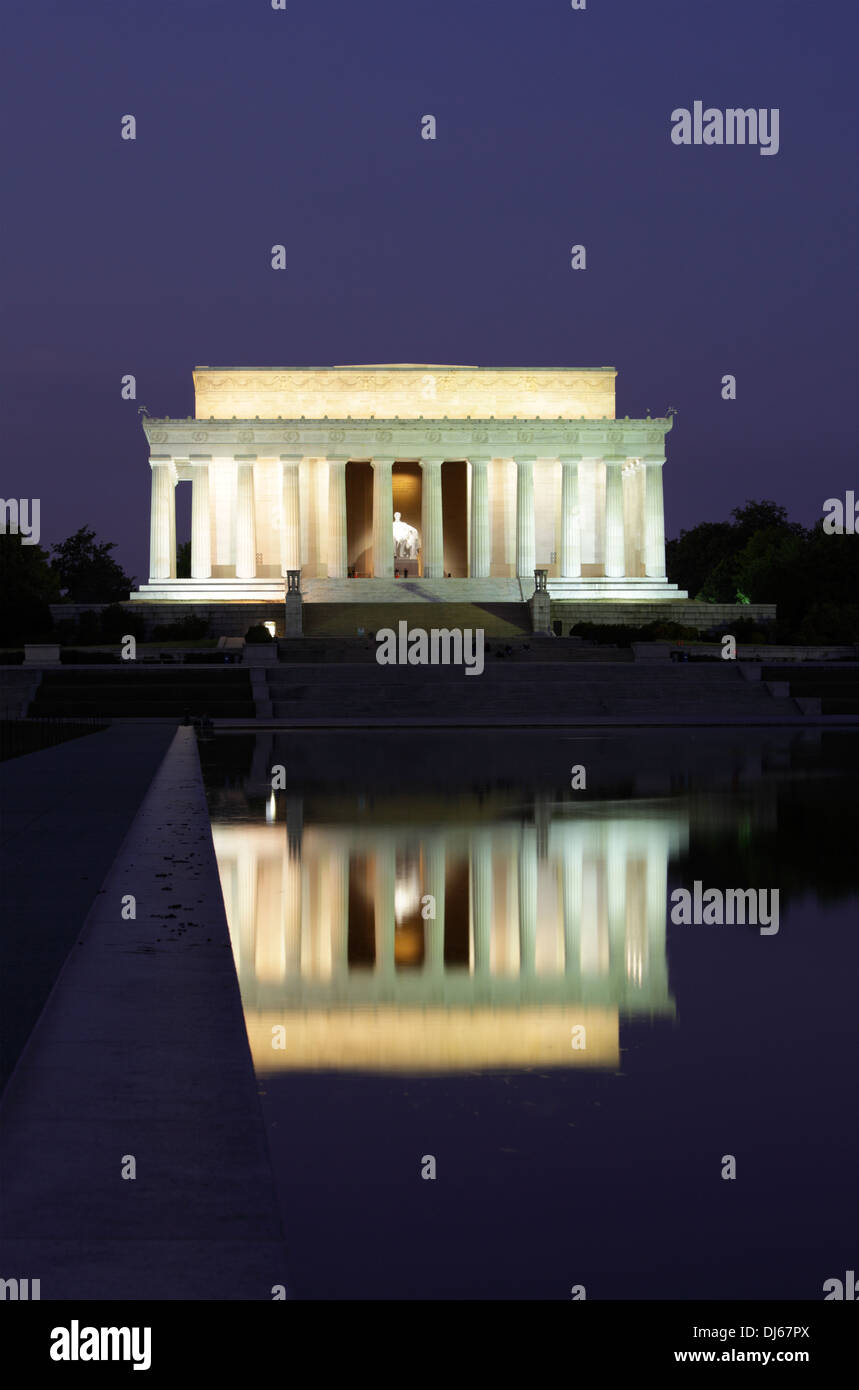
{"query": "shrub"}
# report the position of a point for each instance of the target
(624, 634)
(830, 622)
(117, 622)
(258, 633)
(88, 628)
(744, 629)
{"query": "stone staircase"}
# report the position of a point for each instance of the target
(830, 689)
(415, 590)
(345, 620)
(520, 693)
(516, 648)
(18, 686)
(132, 692)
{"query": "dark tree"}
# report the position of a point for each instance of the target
(87, 572)
(27, 585)
(696, 554)
(707, 560)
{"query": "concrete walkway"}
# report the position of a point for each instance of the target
(64, 813)
(141, 1052)
(776, 721)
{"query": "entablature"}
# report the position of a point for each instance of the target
(409, 439)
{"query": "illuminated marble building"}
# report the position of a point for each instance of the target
(537, 929)
(500, 470)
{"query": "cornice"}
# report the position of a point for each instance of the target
(409, 438)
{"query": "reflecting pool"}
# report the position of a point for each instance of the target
(456, 955)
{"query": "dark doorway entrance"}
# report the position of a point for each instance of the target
(454, 506)
(359, 519)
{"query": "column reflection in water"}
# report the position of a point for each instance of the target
(403, 947)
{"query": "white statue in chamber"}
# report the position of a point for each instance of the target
(406, 539)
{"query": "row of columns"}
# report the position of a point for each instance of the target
(611, 918)
(163, 519)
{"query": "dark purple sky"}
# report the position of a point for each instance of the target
(258, 126)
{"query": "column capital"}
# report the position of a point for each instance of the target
(431, 460)
(614, 458)
(522, 459)
(479, 460)
(292, 458)
(164, 461)
(386, 461)
(336, 461)
(652, 460)
(570, 458)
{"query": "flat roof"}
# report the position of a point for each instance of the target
(401, 367)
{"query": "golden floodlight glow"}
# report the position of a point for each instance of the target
(406, 391)
(392, 1039)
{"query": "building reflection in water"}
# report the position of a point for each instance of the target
(541, 924)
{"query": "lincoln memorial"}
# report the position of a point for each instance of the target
(463, 480)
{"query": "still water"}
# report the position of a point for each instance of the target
(448, 953)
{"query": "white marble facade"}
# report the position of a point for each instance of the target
(548, 478)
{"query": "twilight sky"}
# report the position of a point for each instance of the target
(302, 127)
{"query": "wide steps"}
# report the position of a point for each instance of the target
(345, 620)
(138, 694)
(837, 687)
(498, 652)
(415, 590)
(544, 691)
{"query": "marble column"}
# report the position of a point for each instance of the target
(527, 902)
(162, 521)
(337, 551)
(571, 538)
(616, 887)
(571, 892)
(338, 909)
(384, 909)
(481, 901)
(630, 523)
(436, 857)
(480, 526)
(638, 511)
(383, 519)
(657, 897)
(246, 560)
(654, 520)
(526, 542)
(292, 908)
(290, 524)
(201, 525)
(432, 525)
(614, 542)
(246, 896)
